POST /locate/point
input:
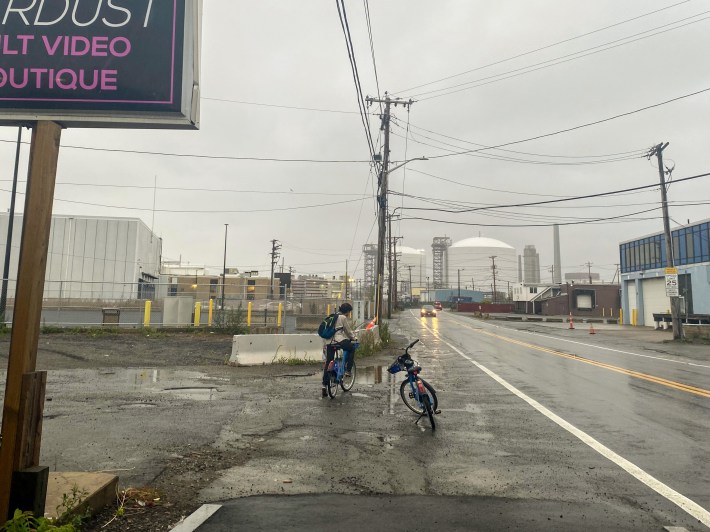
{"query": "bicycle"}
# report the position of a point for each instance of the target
(417, 394)
(336, 371)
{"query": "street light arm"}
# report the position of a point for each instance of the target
(389, 171)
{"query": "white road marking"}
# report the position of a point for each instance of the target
(197, 518)
(599, 347)
(692, 508)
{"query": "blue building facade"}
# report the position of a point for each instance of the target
(642, 267)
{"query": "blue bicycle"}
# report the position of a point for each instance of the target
(336, 371)
(417, 394)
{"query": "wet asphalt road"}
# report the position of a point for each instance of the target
(625, 445)
(499, 458)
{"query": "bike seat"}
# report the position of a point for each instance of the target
(414, 368)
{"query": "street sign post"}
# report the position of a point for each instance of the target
(672, 282)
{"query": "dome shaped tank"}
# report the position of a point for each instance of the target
(472, 257)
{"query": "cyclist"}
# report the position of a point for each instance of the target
(343, 338)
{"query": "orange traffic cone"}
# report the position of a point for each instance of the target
(571, 322)
(591, 329)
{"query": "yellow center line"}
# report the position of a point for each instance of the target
(637, 374)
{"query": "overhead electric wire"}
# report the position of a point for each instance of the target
(209, 211)
(453, 89)
(202, 156)
(366, 4)
(606, 219)
(494, 157)
(546, 47)
(559, 200)
(551, 156)
(342, 14)
(575, 128)
(259, 104)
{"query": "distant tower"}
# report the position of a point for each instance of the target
(370, 253)
(531, 265)
(557, 265)
(440, 255)
(520, 268)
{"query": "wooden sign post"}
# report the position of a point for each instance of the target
(24, 392)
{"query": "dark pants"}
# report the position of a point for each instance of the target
(348, 354)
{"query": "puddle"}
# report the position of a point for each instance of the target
(194, 393)
(371, 374)
(129, 406)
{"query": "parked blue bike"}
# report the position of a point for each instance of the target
(417, 394)
(336, 371)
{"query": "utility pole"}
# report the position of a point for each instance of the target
(10, 222)
(411, 295)
(616, 273)
(275, 247)
(675, 303)
(224, 267)
(589, 270)
(494, 270)
(392, 285)
(382, 197)
(552, 271)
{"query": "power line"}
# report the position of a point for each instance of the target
(546, 46)
(593, 50)
(559, 60)
(494, 157)
(552, 156)
(200, 156)
(598, 221)
(342, 14)
(581, 126)
(559, 200)
(278, 106)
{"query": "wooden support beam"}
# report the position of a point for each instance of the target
(29, 433)
(36, 224)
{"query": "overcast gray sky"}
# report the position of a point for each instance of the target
(293, 54)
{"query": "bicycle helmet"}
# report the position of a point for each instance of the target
(346, 308)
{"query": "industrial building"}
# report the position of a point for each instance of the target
(92, 258)
(411, 272)
(642, 266)
(531, 265)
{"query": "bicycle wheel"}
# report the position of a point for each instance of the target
(332, 384)
(429, 411)
(347, 383)
(405, 392)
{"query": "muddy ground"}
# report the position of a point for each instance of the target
(174, 470)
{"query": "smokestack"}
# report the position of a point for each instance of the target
(557, 273)
(520, 269)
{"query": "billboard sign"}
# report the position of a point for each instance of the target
(100, 63)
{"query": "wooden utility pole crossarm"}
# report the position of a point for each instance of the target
(22, 400)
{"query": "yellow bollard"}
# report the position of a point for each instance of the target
(621, 316)
(634, 317)
(209, 313)
(198, 311)
(249, 314)
(328, 311)
(146, 314)
(278, 318)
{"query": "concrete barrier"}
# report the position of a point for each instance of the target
(254, 350)
(259, 349)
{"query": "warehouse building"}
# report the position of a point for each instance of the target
(642, 265)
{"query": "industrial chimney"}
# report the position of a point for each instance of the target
(557, 265)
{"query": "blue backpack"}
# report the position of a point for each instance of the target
(326, 329)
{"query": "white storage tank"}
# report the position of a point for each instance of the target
(473, 257)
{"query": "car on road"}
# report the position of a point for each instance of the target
(428, 310)
(437, 305)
